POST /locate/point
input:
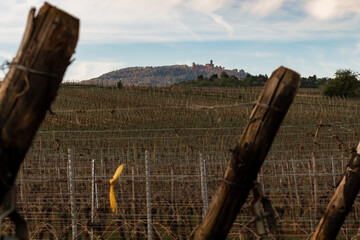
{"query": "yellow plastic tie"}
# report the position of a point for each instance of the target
(115, 177)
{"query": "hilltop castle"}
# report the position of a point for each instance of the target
(210, 68)
(208, 65)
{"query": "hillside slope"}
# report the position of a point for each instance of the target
(159, 76)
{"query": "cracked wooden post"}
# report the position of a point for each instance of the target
(341, 203)
(31, 84)
(249, 154)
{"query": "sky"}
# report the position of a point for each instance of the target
(309, 36)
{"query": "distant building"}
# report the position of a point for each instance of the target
(210, 65)
(206, 66)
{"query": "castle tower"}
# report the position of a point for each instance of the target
(210, 65)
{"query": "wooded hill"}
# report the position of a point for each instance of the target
(159, 76)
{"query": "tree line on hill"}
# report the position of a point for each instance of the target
(224, 80)
(344, 84)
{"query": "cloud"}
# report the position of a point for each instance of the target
(151, 20)
(209, 6)
(83, 70)
(109, 21)
(261, 8)
(220, 20)
(7, 55)
(113, 23)
(331, 9)
(322, 9)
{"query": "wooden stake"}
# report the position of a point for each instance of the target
(133, 205)
(315, 185)
(333, 171)
(203, 180)
(249, 154)
(72, 191)
(148, 195)
(32, 83)
(312, 195)
(295, 182)
(93, 196)
(341, 203)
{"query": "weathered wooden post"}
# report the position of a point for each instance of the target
(31, 85)
(341, 203)
(249, 154)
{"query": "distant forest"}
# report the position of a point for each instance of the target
(224, 80)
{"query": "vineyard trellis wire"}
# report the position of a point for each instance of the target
(175, 184)
(175, 140)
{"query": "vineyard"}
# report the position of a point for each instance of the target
(178, 128)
